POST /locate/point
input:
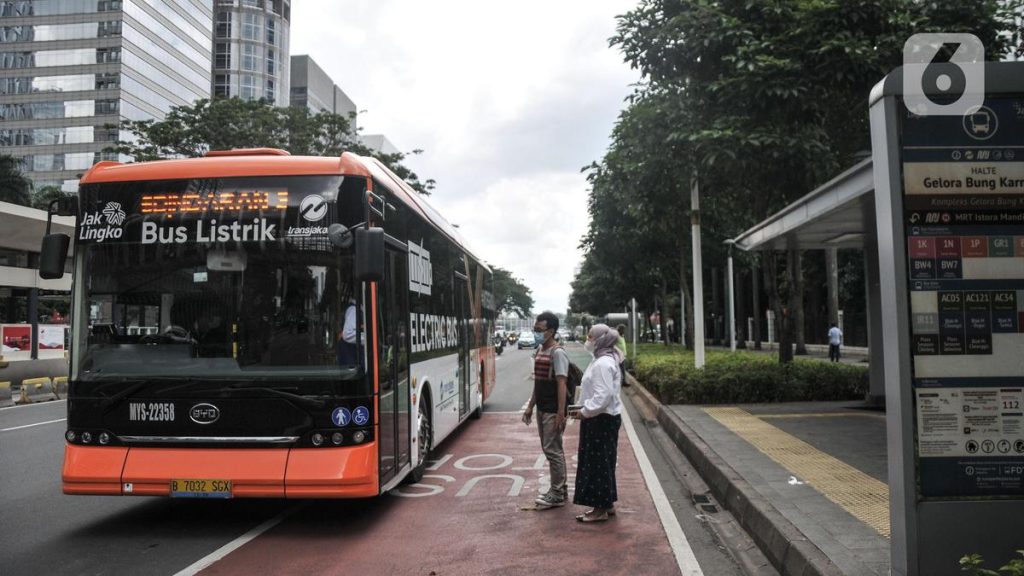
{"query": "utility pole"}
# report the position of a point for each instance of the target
(698, 277)
(731, 316)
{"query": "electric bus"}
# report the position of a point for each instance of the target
(256, 324)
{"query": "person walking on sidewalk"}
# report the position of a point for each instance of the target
(835, 339)
(620, 345)
(600, 414)
(550, 373)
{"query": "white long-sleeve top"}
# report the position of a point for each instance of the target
(600, 389)
(348, 331)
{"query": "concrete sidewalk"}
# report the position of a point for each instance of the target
(806, 480)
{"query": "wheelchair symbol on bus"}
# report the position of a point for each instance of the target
(361, 416)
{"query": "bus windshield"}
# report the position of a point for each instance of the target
(224, 279)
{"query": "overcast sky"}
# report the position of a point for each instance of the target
(508, 101)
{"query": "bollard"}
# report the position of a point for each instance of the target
(6, 396)
(36, 390)
(60, 387)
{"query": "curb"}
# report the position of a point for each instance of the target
(36, 390)
(6, 397)
(788, 549)
(60, 387)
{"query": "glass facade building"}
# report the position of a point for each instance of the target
(71, 70)
(250, 50)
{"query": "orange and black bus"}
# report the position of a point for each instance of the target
(210, 351)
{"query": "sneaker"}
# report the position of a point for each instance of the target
(547, 500)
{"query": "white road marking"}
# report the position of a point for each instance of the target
(31, 425)
(687, 562)
(218, 554)
(47, 403)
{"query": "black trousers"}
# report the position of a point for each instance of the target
(833, 352)
(597, 457)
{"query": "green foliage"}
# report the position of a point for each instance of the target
(762, 100)
(226, 123)
(511, 295)
(744, 377)
(971, 564)
(42, 197)
(14, 186)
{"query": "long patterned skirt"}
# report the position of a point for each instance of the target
(595, 469)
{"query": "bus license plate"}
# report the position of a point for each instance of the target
(201, 488)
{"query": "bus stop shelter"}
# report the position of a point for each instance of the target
(839, 214)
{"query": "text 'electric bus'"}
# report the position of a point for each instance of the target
(253, 324)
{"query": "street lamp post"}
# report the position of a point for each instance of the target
(698, 277)
(731, 317)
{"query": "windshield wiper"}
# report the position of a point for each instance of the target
(302, 400)
(297, 398)
(111, 400)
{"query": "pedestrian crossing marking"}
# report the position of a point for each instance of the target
(862, 496)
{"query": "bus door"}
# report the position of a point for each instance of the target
(393, 318)
(462, 315)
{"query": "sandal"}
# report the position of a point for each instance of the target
(591, 517)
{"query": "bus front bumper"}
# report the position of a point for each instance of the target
(349, 472)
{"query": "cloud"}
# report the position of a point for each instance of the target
(508, 101)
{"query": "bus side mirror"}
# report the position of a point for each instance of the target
(53, 255)
(370, 254)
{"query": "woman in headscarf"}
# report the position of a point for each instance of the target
(600, 412)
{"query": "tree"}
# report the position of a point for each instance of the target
(14, 186)
(226, 123)
(762, 101)
(47, 194)
(511, 295)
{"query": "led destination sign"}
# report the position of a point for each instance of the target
(174, 204)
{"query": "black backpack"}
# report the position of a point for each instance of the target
(573, 379)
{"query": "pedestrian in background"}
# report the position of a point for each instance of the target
(620, 345)
(550, 374)
(600, 415)
(835, 339)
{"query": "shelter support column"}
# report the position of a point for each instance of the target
(873, 297)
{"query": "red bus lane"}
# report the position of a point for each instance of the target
(469, 515)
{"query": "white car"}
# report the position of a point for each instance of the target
(526, 340)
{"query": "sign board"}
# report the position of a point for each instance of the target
(949, 227)
(963, 209)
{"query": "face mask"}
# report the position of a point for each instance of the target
(539, 337)
(589, 346)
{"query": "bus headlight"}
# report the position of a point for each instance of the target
(104, 438)
(86, 437)
(70, 435)
(317, 439)
(359, 436)
(337, 438)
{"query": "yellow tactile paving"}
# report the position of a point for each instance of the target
(822, 415)
(861, 495)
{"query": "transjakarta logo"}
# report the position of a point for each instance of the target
(256, 231)
(313, 207)
(421, 274)
(431, 332)
(105, 224)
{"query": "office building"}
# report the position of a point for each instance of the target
(378, 143)
(250, 50)
(313, 88)
(71, 70)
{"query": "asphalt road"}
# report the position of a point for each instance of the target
(46, 532)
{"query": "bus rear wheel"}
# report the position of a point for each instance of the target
(423, 440)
